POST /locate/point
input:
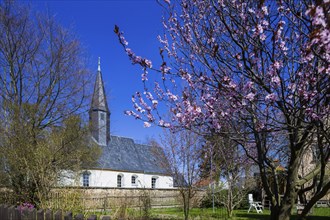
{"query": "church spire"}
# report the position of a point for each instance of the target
(99, 65)
(99, 113)
(99, 100)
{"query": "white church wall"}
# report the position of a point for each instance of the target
(108, 178)
(68, 178)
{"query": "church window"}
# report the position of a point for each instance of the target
(119, 180)
(153, 182)
(102, 116)
(134, 180)
(86, 179)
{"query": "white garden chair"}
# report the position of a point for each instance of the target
(254, 204)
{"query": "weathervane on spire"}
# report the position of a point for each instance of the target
(99, 65)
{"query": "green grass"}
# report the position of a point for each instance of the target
(175, 213)
(208, 214)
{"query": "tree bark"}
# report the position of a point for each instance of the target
(274, 212)
(281, 212)
(285, 212)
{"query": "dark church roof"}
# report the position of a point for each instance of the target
(99, 100)
(123, 154)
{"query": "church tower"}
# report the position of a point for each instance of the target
(99, 114)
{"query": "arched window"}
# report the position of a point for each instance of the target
(85, 178)
(154, 182)
(134, 180)
(119, 180)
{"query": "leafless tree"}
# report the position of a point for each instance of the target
(230, 171)
(182, 150)
(43, 82)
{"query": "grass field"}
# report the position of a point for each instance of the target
(202, 214)
(195, 214)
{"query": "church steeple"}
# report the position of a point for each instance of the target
(99, 114)
(99, 65)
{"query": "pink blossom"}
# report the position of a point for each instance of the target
(128, 112)
(225, 55)
(198, 109)
(129, 52)
(277, 65)
(319, 18)
(282, 46)
(139, 109)
(219, 68)
(123, 40)
(165, 69)
(292, 87)
(154, 102)
(150, 117)
(148, 95)
(226, 79)
(248, 85)
(232, 85)
(137, 59)
(325, 36)
(167, 125)
(172, 96)
(280, 8)
(275, 80)
(146, 124)
(161, 122)
(262, 37)
(281, 23)
(137, 116)
(178, 115)
(148, 63)
(251, 10)
(315, 116)
(265, 10)
(250, 96)
(144, 76)
(270, 98)
(265, 23)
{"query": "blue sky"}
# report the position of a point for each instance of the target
(93, 22)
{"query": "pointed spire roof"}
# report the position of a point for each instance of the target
(99, 100)
(99, 65)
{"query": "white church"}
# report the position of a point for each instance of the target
(123, 163)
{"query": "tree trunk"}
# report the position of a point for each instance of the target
(281, 212)
(230, 212)
(274, 213)
(285, 212)
(186, 201)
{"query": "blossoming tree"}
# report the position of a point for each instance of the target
(261, 67)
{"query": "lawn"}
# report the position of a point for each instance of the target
(202, 214)
(175, 213)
